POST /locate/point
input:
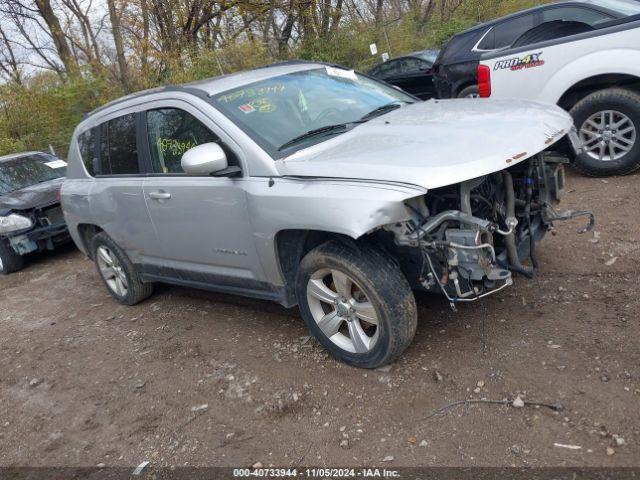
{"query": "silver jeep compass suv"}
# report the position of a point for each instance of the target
(314, 185)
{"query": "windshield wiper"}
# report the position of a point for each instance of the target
(341, 126)
(314, 133)
(376, 112)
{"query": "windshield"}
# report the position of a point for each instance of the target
(625, 8)
(276, 111)
(22, 172)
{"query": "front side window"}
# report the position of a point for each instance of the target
(276, 111)
(118, 149)
(23, 172)
(507, 32)
(171, 133)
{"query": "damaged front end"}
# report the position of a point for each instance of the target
(466, 240)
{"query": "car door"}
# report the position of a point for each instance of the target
(116, 201)
(201, 222)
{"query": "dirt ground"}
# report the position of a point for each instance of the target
(196, 378)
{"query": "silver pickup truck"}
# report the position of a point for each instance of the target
(314, 185)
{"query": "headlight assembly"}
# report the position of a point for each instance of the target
(14, 222)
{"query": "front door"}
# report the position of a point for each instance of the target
(202, 223)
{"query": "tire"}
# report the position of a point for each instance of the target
(469, 92)
(10, 261)
(119, 271)
(373, 275)
(622, 103)
(551, 30)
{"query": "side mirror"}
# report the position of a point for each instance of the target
(205, 159)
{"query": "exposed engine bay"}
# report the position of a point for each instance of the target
(466, 240)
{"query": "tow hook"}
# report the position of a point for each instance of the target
(552, 215)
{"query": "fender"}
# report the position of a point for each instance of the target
(346, 207)
(625, 61)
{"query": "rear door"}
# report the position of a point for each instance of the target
(202, 222)
(117, 202)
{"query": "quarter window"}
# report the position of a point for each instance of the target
(118, 150)
(171, 133)
(87, 146)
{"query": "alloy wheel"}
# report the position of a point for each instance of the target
(608, 135)
(112, 271)
(342, 311)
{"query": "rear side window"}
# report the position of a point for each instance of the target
(118, 150)
(388, 69)
(488, 41)
(87, 146)
(413, 65)
(575, 14)
(171, 133)
(507, 32)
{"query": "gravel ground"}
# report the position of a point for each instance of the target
(195, 378)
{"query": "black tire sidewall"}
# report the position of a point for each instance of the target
(624, 102)
(356, 265)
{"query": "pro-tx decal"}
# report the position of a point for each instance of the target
(518, 63)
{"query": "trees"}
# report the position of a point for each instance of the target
(73, 55)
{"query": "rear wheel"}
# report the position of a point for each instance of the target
(117, 272)
(10, 261)
(608, 123)
(357, 303)
(469, 92)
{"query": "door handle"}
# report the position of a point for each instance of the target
(160, 195)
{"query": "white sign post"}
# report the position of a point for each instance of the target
(385, 56)
(374, 48)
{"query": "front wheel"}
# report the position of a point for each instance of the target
(608, 123)
(10, 261)
(357, 303)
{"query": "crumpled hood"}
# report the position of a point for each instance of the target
(435, 143)
(39, 195)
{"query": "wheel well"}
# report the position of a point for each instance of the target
(460, 88)
(592, 84)
(293, 245)
(87, 232)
